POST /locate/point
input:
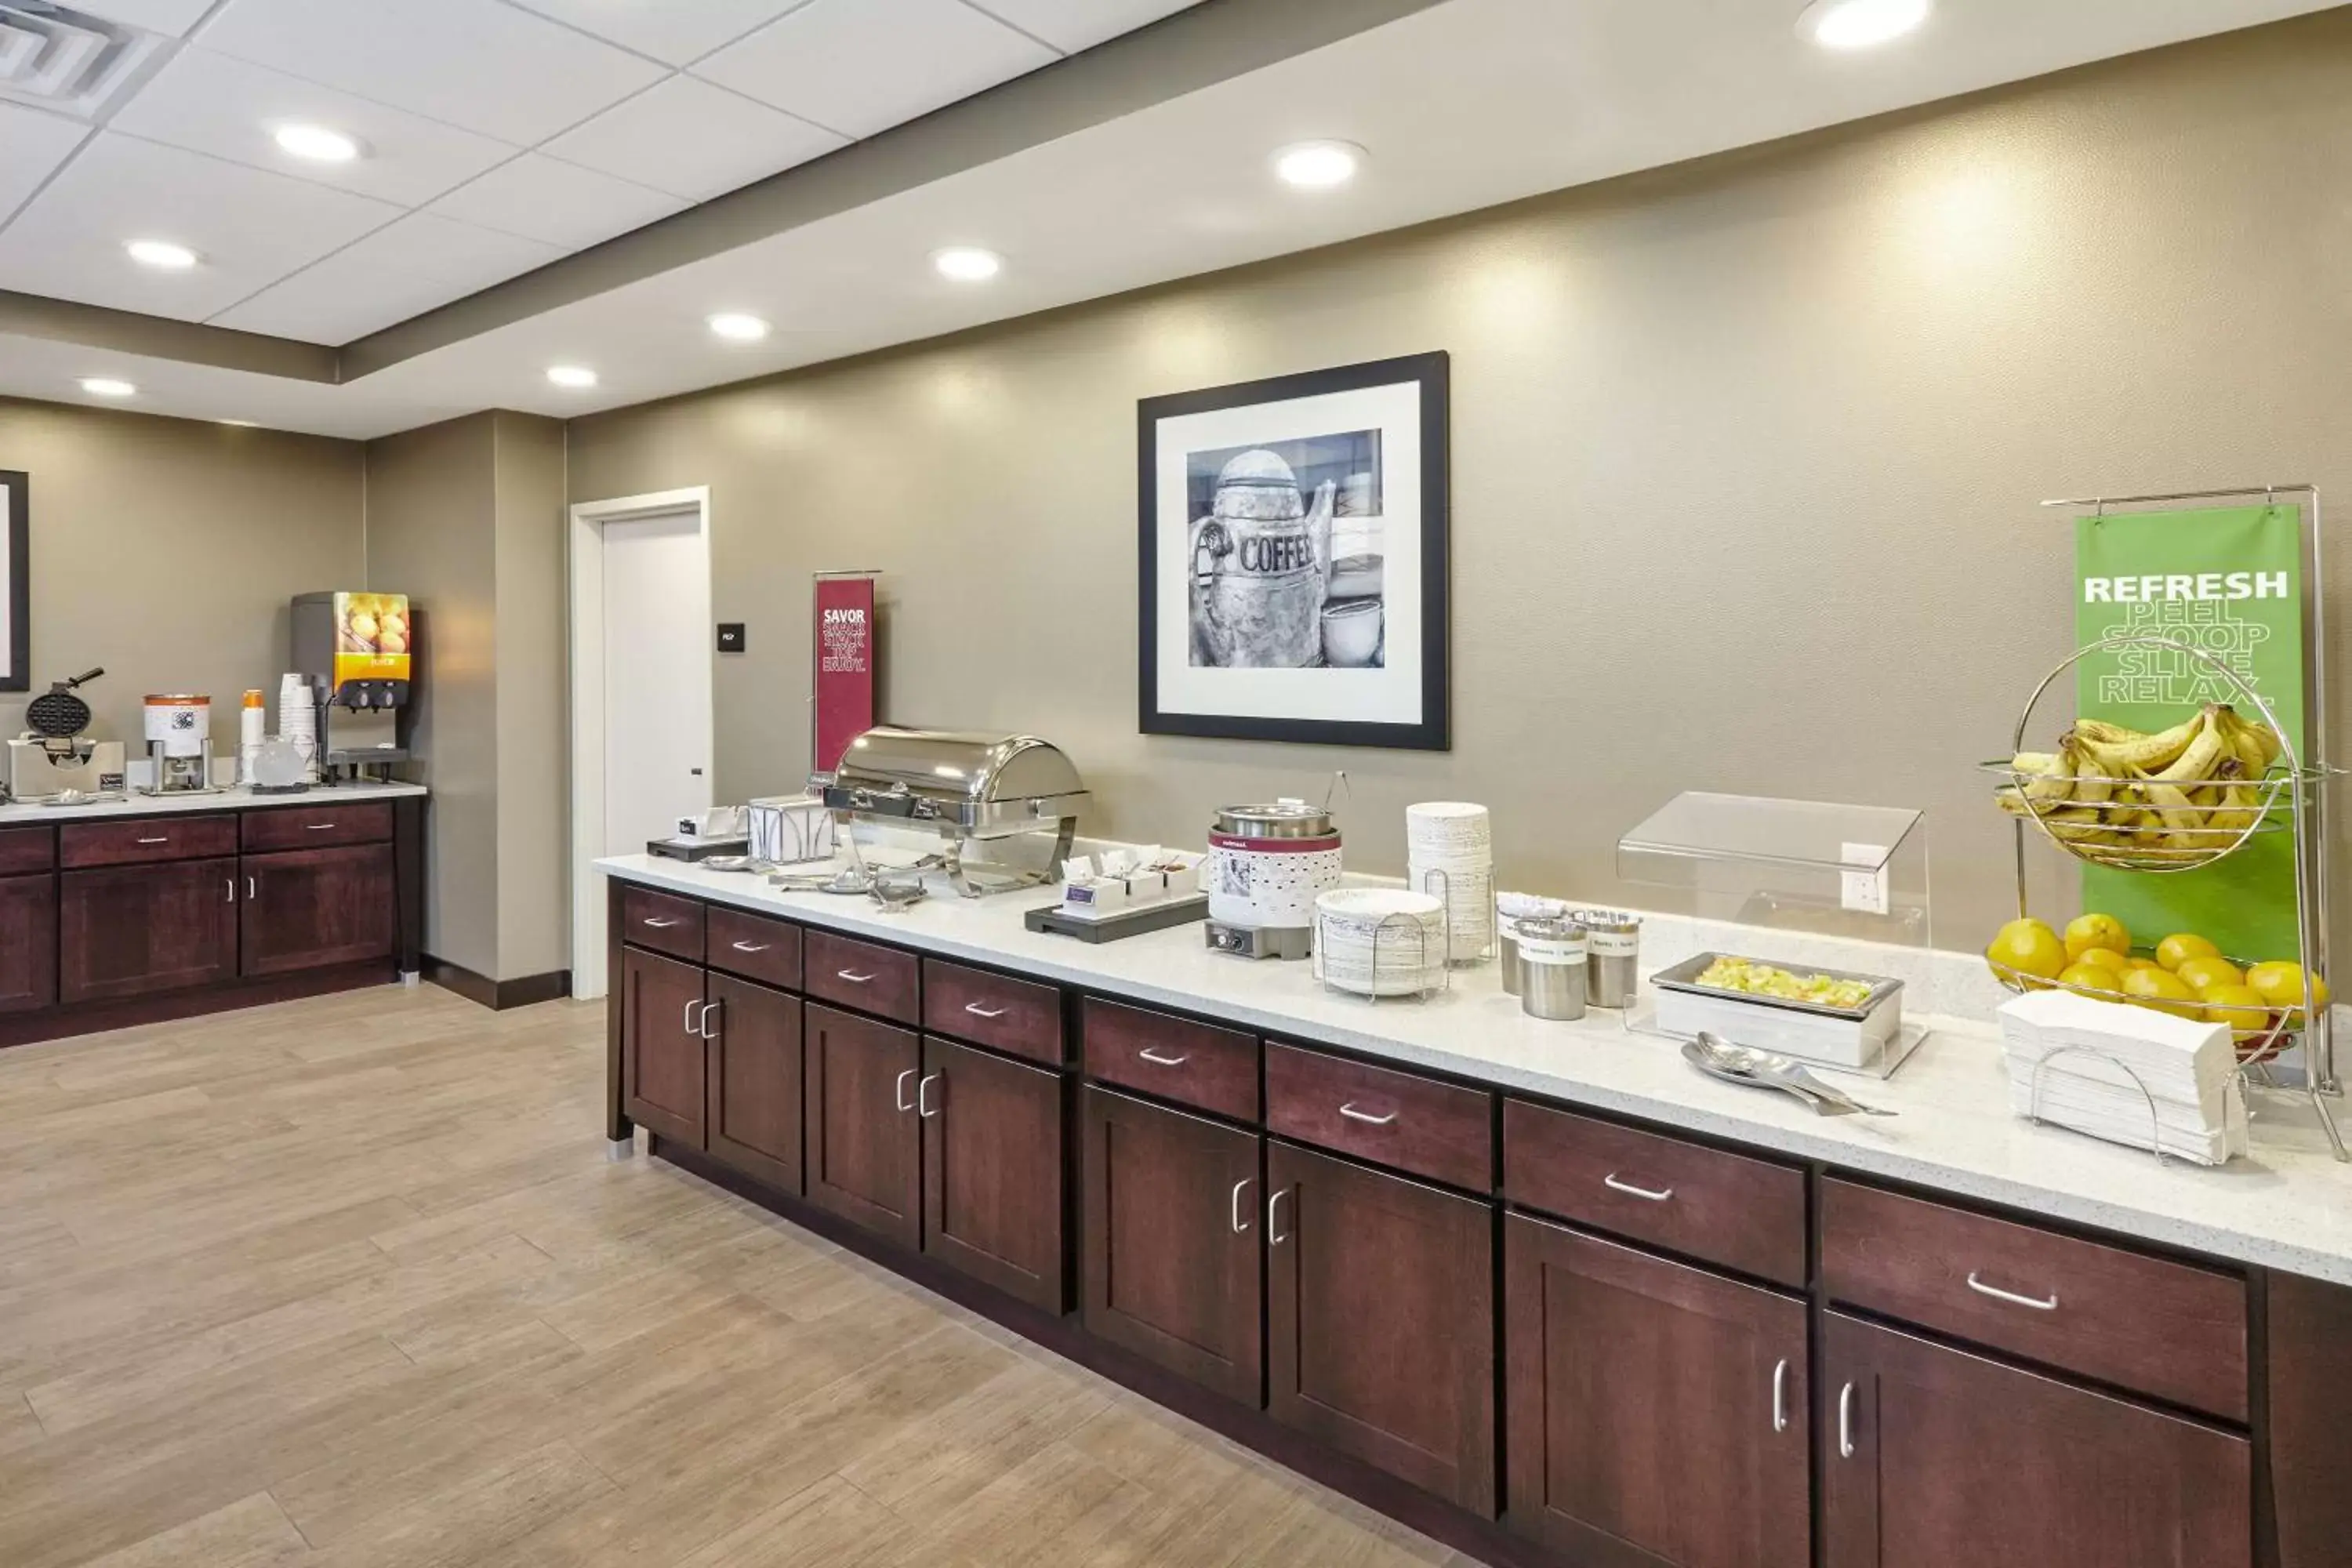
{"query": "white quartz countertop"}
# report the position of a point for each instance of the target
(2289, 1206)
(32, 813)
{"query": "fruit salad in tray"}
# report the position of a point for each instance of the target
(1822, 1014)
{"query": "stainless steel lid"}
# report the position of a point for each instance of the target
(1282, 819)
(957, 765)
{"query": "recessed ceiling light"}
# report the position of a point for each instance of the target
(967, 263)
(108, 386)
(1859, 24)
(572, 375)
(737, 327)
(162, 254)
(1318, 165)
(317, 144)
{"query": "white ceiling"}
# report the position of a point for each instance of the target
(1462, 106)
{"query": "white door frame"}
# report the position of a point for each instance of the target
(585, 555)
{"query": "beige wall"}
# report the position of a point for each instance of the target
(1746, 455)
(166, 550)
(533, 700)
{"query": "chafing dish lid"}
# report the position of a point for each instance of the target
(1281, 819)
(957, 765)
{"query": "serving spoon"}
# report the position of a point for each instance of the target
(1718, 1058)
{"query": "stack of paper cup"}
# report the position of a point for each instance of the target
(298, 721)
(1450, 854)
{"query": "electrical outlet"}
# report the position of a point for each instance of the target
(1864, 890)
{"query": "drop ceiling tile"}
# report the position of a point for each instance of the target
(693, 139)
(397, 272)
(251, 227)
(677, 31)
(214, 103)
(863, 66)
(37, 144)
(1074, 25)
(474, 63)
(171, 16)
(555, 203)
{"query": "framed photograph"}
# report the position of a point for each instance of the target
(1293, 558)
(16, 582)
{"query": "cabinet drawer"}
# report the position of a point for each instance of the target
(1727, 1210)
(2167, 1329)
(317, 826)
(878, 980)
(1193, 1063)
(664, 923)
(753, 946)
(24, 850)
(85, 844)
(1416, 1125)
(1020, 1017)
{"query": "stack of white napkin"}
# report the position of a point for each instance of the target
(2094, 1049)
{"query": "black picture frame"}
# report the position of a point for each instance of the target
(1433, 374)
(18, 675)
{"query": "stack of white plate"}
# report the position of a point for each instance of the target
(1450, 853)
(1379, 941)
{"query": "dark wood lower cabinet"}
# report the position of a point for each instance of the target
(129, 930)
(1171, 1257)
(28, 943)
(1380, 1321)
(755, 1079)
(1657, 1413)
(1931, 1455)
(665, 1060)
(307, 909)
(993, 1157)
(863, 1142)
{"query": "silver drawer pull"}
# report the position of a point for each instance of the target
(1240, 1221)
(853, 976)
(1272, 1236)
(686, 1019)
(252, 887)
(1654, 1194)
(977, 1011)
(702, 1026)
(1352, 1114)
(318, 827)
(232, 889)
(923, 1105)
(1845, 1422)
(904, 1103)
(166, 840)
(751, 947)
(1158, 1060)
(1781, 1396)
(663, 925)
(2039, 1303)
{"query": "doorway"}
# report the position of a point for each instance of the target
(642, 739)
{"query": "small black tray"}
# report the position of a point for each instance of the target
(1134, 923)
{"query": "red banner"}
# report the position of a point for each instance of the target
(842, 662)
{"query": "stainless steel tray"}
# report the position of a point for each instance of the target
(1684, 976)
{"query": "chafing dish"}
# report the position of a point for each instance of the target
(964, 786)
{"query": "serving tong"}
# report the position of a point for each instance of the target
(1718, 1058)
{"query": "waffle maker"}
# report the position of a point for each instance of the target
(53, 756)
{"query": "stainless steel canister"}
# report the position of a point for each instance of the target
(1507, 932)
(1613, 946)
(1551, 969)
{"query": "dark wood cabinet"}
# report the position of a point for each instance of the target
(1171, 1263)
(755, 1079)
(307, 909)
(1379, 1321)
(1653, 1404)
(129, 930)
(665, 1060)
(862, 1139)
(28, 944)
(992, 1162)
(1932, 1455)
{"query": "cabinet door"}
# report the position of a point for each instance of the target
(665, 1060)
(993, 1162)
(308, 909)
(755, 1079)
(1930, 1455)
(863, 1144)
(1630, 1376)
(127, 930)
(28, 944)
(1173, 1263)
(1379, 1321)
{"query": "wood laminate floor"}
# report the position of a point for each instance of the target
(351, 1282)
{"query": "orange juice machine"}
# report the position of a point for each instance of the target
(356, 650)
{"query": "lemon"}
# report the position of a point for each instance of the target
(2096, 932)
(2029, 947)
(2203, 973)
(2240, 1007)
(2163, 991)
(2107, 958)
(2133, 965)
(2182, 946)
(2280, 984)
(2095, 977)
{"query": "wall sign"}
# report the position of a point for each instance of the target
(1292, 558)
(842, 668)
(16, 582)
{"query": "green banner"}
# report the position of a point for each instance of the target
(2229, 581)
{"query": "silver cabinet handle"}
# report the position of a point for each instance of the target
(318, 827)
(252, 887)
(903, 1103)
(1272, 1236)
(1845, 1422)
(853, 976)
(661, 925)
(1781, 1396)
(693, 1023)
(923, 1105)
(166, 840)
(1158, 1060)
(709, 1008)
(1352, 1114)
(977, 1011)
(232, 888)
(2039, 1303)
(1654, 1194)
(1241, 1224)
(751, 947)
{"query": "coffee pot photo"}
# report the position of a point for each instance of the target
(1261, 565)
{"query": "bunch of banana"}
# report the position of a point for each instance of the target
(2184, 793)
